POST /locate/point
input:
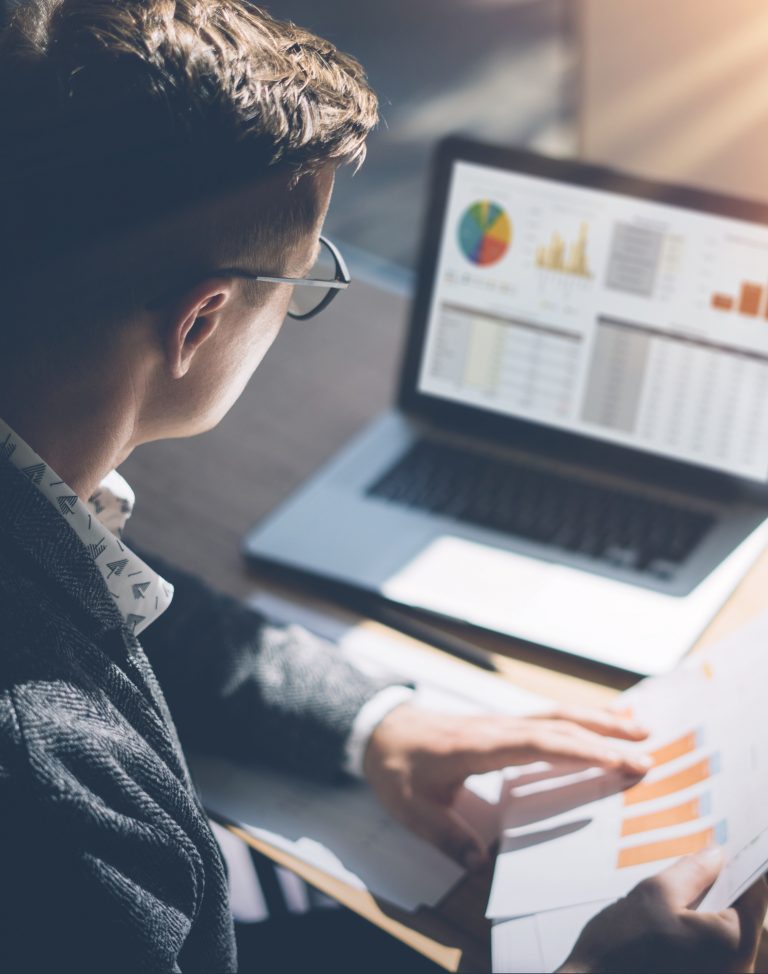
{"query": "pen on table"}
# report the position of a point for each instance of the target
(425, 633)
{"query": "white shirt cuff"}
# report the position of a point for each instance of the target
(369, 717)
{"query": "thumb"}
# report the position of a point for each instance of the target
(685, 882)
(751, 907)
(446, 829)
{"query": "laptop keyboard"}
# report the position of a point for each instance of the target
(614, 526)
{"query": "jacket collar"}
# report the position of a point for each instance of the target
(139, 593)
(36, 529)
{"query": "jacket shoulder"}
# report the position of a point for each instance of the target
(31, 617)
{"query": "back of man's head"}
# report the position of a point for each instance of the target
(120, 115)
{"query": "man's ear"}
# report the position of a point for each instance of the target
(192, 320)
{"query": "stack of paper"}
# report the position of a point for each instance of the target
(573, 842)
(343, 829)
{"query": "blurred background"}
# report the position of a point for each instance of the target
(671, 88)
(499, 69)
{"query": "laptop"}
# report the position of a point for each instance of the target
(579, 453)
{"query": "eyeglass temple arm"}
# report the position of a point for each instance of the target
(311, 282)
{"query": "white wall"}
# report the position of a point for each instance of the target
(677, 89)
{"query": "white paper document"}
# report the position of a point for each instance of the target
(343, 829)
(590, 836)
(340, 829)
(540, 942)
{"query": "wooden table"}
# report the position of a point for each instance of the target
(323, 380)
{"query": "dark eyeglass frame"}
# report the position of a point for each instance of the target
(340, 282)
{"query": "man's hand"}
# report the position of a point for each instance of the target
(417, 760)
(655, 929)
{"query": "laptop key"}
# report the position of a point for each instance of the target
(621, 557)
(662, 568)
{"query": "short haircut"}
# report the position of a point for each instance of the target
(115, 112)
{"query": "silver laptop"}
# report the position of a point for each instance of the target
(579, 457)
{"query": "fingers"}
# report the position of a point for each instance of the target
(573, 743)
(684, 882)
(447, 830)
(605, 722)
(551, 740)
(737, 929)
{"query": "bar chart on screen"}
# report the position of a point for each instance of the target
(750, 300)
(734, 282)
(566, 258)
(562, 249)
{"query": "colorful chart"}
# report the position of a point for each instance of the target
(681, 845)
(553, 256)
(485, 233)
(686, 819)
(751, 300)
(648, 790)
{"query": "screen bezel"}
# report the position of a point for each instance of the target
(579, 448)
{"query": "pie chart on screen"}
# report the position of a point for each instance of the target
(485, 233)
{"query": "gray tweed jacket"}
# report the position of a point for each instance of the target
(107, 861)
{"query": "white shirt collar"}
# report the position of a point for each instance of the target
(140, 594)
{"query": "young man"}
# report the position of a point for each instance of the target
(158, 159)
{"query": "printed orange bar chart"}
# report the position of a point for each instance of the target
(686, 744)
(681, 845)
(692, 775)
(689, 811)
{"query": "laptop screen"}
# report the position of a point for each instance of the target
(634, 322)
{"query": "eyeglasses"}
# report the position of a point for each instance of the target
(312, 294)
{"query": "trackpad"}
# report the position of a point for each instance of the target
(475, 582)
(551, 604)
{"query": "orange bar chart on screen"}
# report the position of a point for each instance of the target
(750, 299)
